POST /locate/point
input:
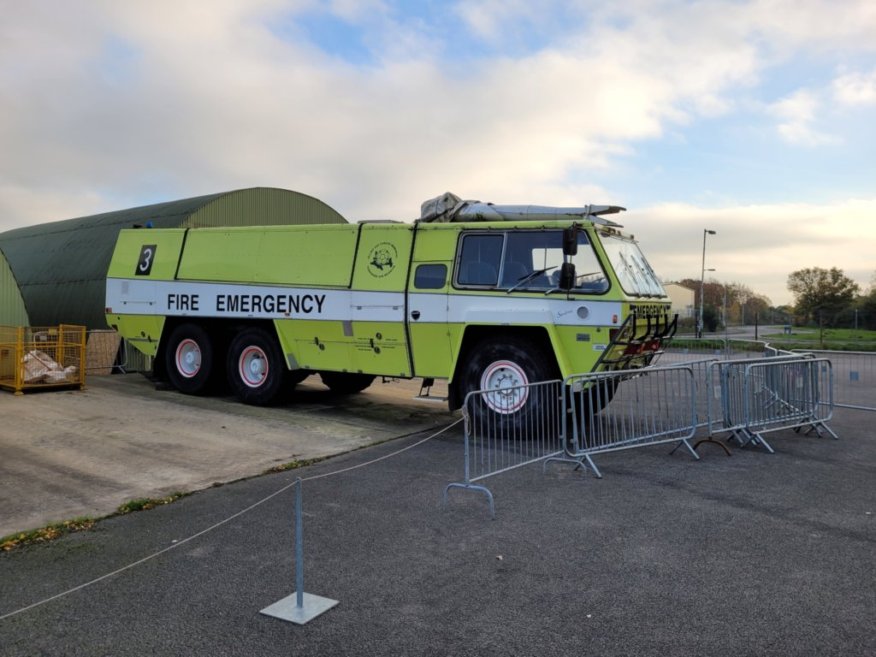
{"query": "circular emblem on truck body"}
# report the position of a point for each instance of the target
(382, 259)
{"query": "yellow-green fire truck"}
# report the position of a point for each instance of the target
(487, 297)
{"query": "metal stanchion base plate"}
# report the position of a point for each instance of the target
(287, 609)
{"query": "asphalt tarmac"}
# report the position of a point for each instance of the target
(755, 554)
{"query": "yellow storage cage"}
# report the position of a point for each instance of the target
(34, 358)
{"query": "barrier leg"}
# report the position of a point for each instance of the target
(817, 426)
(738, 436)
(579, 463)
(592, 466)
(690, 449)
(757, 439)
(474, 487)
(300, 607)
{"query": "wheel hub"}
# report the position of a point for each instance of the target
(253, 367)
(188, 358)
(505, 383)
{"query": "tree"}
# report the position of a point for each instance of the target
(743, 303)
(740, 301)
(711, 320)
(866, 307)
(757, 306)
(821, 293)
(713, 292)
(782, 314)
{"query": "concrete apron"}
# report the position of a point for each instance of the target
(74, 453)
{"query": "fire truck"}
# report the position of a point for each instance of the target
(484, 296)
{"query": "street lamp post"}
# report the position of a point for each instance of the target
(700, 324)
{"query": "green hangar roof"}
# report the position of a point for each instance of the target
(61, 266)
(12, 309)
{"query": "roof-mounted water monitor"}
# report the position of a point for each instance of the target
(449, 208)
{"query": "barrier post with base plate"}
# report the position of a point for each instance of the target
(300, 607)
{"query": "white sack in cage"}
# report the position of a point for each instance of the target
(38, 365)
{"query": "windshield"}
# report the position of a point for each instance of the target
(633, 271)
(527, 260)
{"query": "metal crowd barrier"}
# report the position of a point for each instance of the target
(682, 348)
(727, 408)
(611, 411)
(789, 395)
(854, 378)
(707, 385)
(764, 395)
(495, 444)
(588, 414)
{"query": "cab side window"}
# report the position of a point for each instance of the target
(479, 260)
(430, 277)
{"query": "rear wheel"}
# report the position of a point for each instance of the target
(505, 367)
(188, 359)
(346, 383)
(256, 369)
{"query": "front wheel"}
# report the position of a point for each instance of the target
(188, 359)
(256, 369)
(505, 369)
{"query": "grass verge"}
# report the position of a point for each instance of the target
(59, 529)
(45, 534)
(294, 465)
(84, 523)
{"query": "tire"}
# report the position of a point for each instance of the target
(189, 359)
(256, 367)
(345, 383)
(504, 363)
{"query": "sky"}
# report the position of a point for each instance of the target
(752, 118)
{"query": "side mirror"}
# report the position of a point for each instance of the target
(567, 276)
(570, 240)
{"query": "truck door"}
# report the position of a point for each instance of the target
(377, 301)
(428, 285)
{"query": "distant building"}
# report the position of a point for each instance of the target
(12, 309)
(683, 300)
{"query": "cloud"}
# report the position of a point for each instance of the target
(357, 11)
(213, 99)
(49, 203)
(498, 20)
(798, 114)
(856, 89)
